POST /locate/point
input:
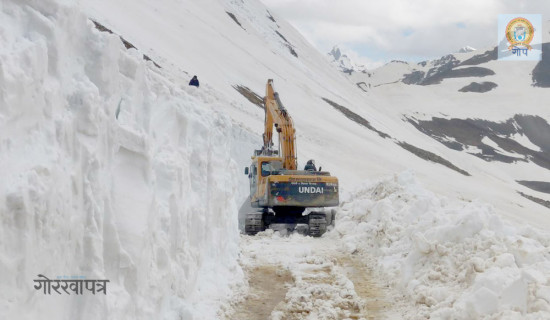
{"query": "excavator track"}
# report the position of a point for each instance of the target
(317, 224)
(254, 223)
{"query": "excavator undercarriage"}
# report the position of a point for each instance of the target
(313, 224)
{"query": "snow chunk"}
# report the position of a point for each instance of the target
(453, 259)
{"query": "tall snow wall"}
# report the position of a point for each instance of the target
(109, 171)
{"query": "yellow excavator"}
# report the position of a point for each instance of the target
(287, 198)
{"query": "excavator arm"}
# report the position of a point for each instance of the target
(276, 115)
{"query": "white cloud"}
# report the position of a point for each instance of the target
(401, 28)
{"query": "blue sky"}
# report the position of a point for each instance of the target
(375, 32)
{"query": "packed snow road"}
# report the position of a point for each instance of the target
(299, 277)
(398, 251)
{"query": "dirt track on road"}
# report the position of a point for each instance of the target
(299, 277)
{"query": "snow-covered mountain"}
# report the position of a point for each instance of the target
(466, 49)
(114, 168)
(475, 104)
(344, 63)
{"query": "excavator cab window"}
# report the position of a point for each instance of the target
(271, 167)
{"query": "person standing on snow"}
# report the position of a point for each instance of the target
(194, 82)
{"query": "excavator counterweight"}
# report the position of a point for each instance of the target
(279, 191)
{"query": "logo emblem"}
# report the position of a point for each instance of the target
(520, 32)
(519, 37)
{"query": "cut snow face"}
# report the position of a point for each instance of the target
(145, 199)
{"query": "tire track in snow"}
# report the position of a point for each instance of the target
(299, 277)
(268, 285)
(366, 286)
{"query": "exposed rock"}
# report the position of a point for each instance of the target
(481, 58)
(270, 17)
(355, 117)
(446, 67)
(424, 154)
(430, 156)
(234, 19)
(282, 37)
(126, 43)
(536, 129)
(540, 186)
(535, 199)
(458, 134)
(541, 72)
(437, 77)
(363, 86)
(292, 51)
(414, 77)
(479, 87)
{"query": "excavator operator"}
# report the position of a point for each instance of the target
(310, 165)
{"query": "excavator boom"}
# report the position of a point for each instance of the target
(276, 114)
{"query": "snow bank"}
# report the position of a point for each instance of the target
(109, 171)
(454, 260)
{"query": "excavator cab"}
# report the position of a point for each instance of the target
(273, 186)
(272, 167)
(279, 191)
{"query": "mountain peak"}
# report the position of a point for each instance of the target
(335, 53)
(466, 49)
(343, 62)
